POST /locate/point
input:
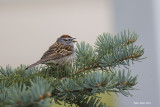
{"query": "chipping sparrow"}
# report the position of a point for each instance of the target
(60, 53)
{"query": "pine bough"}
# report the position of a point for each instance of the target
(95, 70)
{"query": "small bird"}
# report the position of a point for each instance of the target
(60, 53)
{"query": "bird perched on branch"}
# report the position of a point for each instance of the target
(60, 53)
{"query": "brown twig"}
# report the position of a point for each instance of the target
(41, 97)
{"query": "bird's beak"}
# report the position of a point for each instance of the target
(74, 40)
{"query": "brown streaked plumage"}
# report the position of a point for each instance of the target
(57, 50)
(61, 52)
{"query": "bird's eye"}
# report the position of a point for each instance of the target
(65, 40)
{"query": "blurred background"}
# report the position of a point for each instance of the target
(29, 27)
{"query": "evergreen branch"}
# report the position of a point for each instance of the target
(106, 43)
(95, 82)
(122, 55)
(88, 101)
(85, 56)
(109, 52)
(36, 95)
(89, 75)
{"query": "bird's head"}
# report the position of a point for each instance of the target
(66, 40)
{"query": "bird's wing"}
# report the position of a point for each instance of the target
(56, 51)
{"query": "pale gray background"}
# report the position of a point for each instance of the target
(139, 15)
(29, 27)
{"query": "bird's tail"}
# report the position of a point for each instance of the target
(38, 62)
